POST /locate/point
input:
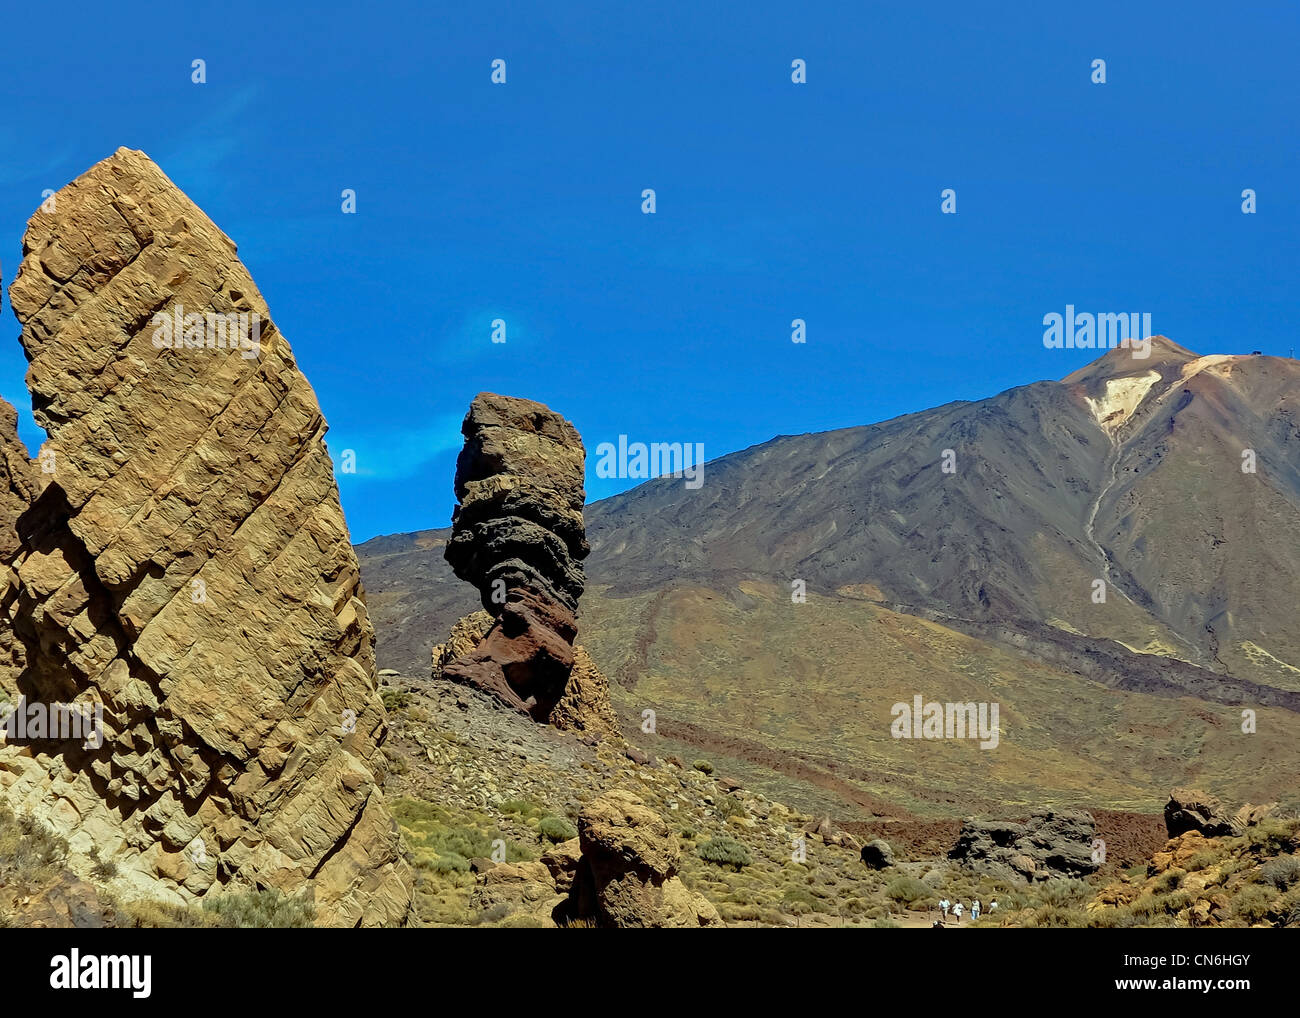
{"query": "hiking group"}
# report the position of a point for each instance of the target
(956, 909)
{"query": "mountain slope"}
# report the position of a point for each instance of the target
(975, 582)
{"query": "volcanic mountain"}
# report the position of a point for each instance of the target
(1113, 557)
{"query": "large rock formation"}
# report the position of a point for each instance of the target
(517, 535)
(1051, 843)
(186, 566)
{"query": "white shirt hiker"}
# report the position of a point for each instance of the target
(956, 910)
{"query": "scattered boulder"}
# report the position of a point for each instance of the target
(563, 861)
(1051, 843)
(877, 854)
(184, 566)
(639, 757)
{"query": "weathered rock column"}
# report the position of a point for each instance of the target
(518, 536)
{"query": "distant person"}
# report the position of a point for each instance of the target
(956, 910)
(993, 906)
(975, 910)
(944, 905)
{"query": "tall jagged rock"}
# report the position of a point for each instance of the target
(186, 565)
(518, 535)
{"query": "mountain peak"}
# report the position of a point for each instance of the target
(1158, 354)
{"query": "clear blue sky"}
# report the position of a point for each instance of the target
(775, 201)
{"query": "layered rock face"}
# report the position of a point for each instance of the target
(518, 535)
(17, 490)
(185, 565)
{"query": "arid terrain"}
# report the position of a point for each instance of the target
(1037, 649)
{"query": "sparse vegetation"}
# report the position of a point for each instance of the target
(725, 852)
(1282, 872)
(909, 891)
(394, 699)
(556, 829)
(262, 910)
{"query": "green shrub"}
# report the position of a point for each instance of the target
(1287, 910)
(556, 829)
(34, 850)
(703, 766)
(1169, 880)
(1202, 860)
(728, 806)
(1281, 872)
(522, 808)
(394, 699)
(1252, 904)
(885, 924)
(449, 862)
(908, 891)
(1065, 892)
(725, 852)
(101, 869)
(1274, 836)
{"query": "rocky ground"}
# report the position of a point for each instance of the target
(490, 806)
(466, 771)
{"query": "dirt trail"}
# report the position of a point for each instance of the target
(925, 920)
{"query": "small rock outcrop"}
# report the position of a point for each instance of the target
(620, 871)
(518, 536)
(626, 875)
(185, 568)
(585, 708)
(1051, 843)
(1191, 809)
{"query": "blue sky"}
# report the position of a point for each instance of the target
(775, 201)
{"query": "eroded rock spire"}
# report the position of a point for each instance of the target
(518, 535)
